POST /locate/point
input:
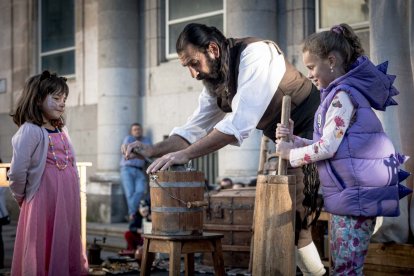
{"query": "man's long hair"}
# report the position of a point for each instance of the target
(200, 36)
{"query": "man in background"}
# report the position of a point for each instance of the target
(133, 177)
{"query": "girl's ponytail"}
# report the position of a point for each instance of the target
(356, 49)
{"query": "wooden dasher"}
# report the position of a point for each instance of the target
(274, 218)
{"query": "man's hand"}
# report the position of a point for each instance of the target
(166, 161)
(283, 149)
(178, 151)
(136, 149)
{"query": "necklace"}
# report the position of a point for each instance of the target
(61, 166)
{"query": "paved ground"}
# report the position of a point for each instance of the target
(115, 240)
(8, 235)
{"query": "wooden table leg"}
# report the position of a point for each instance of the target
(189, 264)
(218, 258)
(147, 259)
(175, 258)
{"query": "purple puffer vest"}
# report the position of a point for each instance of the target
(361, 179)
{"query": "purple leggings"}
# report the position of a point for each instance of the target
(350, 238)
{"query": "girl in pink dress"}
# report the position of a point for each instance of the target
(45, 184)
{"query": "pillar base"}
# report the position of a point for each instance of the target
(105, 199)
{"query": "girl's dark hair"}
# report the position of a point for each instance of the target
(340, 38)
(34, 93)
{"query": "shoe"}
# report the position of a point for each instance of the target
(127, 252)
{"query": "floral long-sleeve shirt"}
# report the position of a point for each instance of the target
(338, 118)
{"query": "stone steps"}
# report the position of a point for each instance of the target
(113, 233)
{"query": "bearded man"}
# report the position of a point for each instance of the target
(244, 82)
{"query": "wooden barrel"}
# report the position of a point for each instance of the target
(170, 193)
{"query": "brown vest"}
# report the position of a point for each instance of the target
(304, 95)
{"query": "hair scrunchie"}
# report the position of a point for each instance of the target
(337, 29)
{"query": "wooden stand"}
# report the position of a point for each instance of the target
(187, 245)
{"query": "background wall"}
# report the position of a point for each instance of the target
(122, 74)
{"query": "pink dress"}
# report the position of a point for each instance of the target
(48, 239)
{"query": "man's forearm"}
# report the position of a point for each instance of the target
(212, 142)
(171, 144)
(215, 140)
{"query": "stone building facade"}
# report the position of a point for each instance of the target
(121, 68)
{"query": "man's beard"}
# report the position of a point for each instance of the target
(215, 80)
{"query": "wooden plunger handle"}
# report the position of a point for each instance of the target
(263, 152)
(285, 115)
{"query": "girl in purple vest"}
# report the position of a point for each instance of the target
(357, 163)
(44, 181)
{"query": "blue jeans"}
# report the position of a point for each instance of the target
(134, 184)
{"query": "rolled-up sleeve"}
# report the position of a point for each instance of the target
(203, 119)
(337, 121)
(260, 71)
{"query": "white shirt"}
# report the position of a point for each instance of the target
(261, 69)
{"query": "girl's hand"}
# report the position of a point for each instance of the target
(283, 131)
(283, 149)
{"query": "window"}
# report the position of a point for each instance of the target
(182, 12)
(209, 165)
(57, 36)
(355, 13)
(331, 12)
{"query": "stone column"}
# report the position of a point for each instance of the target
(118, 34)
(117, 77)
(395, 31)
(251, 18)
(296, 20)
(246, 18)
(22, 46)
